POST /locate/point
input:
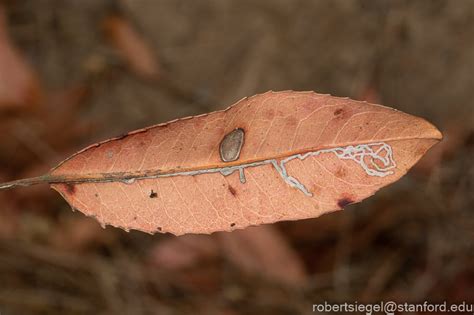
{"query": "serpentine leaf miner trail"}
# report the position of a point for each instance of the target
(271, 157)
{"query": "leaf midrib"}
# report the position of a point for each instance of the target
(123, 176)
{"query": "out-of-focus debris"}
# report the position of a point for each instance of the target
(264, 251)
(19, 84)
(79, 234)
(455, 135)
(64, 125)
(132, 47)
(183, 252)
(9, 217)
(370, 94)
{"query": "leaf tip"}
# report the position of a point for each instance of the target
(431, 131)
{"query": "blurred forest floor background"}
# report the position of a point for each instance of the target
(76, 72)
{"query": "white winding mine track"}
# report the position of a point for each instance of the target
(375, 158)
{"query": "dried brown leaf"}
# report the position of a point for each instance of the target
(302, 155)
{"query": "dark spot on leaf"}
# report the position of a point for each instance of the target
(341, 172)
(243, 129)
(232, 224)
(159, 228)
(97, 195)
(70, 188)
(134, 218)
(232, 190)
(338, 111)
(153, 194)
(344, 202)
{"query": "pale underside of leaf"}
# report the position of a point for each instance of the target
(304, 154)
